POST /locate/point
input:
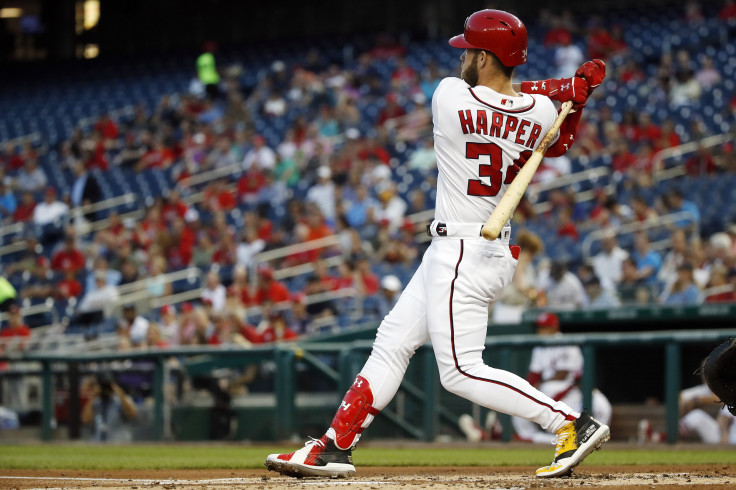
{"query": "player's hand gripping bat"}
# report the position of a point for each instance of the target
(516, 189)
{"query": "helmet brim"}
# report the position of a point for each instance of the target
(460, 42)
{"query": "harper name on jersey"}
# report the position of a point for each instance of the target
(492, 123)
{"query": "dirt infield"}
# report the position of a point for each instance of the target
(712, 477)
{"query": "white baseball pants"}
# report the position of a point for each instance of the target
(446, 302)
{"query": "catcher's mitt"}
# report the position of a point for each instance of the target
(720, 373)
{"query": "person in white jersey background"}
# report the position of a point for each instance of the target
(557, 370)
(484, 131)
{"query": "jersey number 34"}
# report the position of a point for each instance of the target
(474, 151)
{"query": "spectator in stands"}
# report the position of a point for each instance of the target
(50, 210)
(323, 194)
(277, 330)
(388, 295)
(260, 155)
(156, 283)
(632, 289)
(641, 210)
(367, 276)
(683, 291)
(133, 326)
(215, 291)
(269, 289)
(32, 178)
(113, 276)
(108, 409)
(685, 89)
(207, 73)
(15, 327)
(392, 208)
(701, 162)
(98, 304)
(568, 56)
(85, 190)
(648, 262)
(423, 157)
(68, 287)
(608, 263)
(677, 203)
(675, 257)
(169, 325)
(561, 289)
(360, 209)
(8, 203)
(707, 76)
(24, 210)
(69, 257)
(599, 298)
(718, 288)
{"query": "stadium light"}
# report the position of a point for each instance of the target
(10, 13)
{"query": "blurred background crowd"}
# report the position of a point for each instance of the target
(246, 196)
(249, 158)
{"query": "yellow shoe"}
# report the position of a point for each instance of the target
(575, 441)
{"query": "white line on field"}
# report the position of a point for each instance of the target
(221, 481)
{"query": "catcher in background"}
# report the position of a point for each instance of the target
(719, 376)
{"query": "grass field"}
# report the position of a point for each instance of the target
(150, 457)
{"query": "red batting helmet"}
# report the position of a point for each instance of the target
(548, 320)
(499, 32)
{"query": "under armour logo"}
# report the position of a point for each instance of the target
(344, 405)
(544, 85)
(358, 383)
(565, 145)
(565, 86)
(534, 86)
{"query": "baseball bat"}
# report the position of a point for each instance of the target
(495, 223)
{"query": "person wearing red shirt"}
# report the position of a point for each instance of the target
(68, 287)
(218, 197)
(701, 163)
(622, 159)
(107, 127)
(390, 111)
(669, 137)
(250, 183)
(16, 327)
(269, 289)
(24, 211)
(369, 279)
(174, 207)
(159, 156)
(277, 330)
(648, 131)
(69, 258)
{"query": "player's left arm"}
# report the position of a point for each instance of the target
(576, 89)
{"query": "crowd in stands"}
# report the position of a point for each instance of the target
(316, 149)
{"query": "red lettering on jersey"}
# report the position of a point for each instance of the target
(536, 131)
(481, 123)
(496, 124)
(511, 124)
(522, 129)
(466, 121)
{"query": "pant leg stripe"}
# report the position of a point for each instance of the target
(454, 354)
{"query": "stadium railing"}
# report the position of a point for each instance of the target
(660, 172)
(425, 392)
(663, 221)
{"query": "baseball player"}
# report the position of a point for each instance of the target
(556, 371)
(483, 133)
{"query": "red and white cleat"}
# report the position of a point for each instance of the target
(318, 457)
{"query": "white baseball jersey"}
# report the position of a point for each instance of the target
(547, 361)
(482, 139)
